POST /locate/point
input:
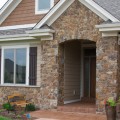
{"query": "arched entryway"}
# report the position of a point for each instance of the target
(77, 68)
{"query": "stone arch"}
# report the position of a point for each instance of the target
(62, 61)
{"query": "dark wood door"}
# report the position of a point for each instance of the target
(93, 77)
(90, 73)
(86, 77)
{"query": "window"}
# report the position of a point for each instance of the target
(43, 6)
(15, 65)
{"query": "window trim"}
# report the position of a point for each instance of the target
(27, 64)
(44, 10)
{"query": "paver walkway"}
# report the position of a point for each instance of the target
(55, 115)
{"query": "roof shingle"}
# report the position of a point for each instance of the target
(112, 6)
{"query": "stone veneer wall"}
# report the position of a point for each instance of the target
(77, 22)
(32, 93)
(49, 74)
(107, 80)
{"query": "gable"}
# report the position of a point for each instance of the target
(64, 4)
(24, 13)
(77, 22)
(78, 13)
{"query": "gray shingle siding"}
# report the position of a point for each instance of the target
(112, 6)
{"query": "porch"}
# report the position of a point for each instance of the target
(55, 115)
(78, 77)
(79, 107)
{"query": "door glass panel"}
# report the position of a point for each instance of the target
(8, 65)
(20, 66)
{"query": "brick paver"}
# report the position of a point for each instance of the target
(55, 115)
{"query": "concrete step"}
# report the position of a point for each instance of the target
(79, 109)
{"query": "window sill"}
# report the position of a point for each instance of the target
(41, 12)
(24, 86)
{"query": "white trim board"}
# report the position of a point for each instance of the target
(27, 63)
(108, 27)
(5, 6)
(17, 26)
(17, 39)
(109, 34)
(42, 34)
(62, 5)
(7, 9)
(108, 30)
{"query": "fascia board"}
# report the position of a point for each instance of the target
(7, 10)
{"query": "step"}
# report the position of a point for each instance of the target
(77, 109)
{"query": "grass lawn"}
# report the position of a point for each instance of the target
(4, 118)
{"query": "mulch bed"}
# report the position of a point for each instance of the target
(13, 116)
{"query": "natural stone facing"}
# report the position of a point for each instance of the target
(49, 74)
(32, 94)
(76, 23)
(107, 70)
(61, 75)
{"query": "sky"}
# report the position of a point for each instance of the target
(2, 2)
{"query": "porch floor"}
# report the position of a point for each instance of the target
(80, 107)
(55, 115)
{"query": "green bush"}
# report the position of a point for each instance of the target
(4, 118)
(7, 106)
(30, 107)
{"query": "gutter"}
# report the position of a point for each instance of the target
(112, 29)
(109, 27)
(15, 37)
(43, 34)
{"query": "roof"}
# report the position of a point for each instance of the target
(14, 32)
(112, 6)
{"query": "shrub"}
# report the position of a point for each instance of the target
(7, 106)
(4, 118)
(110, 102)
(30, 107)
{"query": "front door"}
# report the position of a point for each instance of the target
(90, 73)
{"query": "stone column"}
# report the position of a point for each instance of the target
(61, 76)
(107, 70)
(49, 75)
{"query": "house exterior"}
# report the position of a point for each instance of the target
(60, 51)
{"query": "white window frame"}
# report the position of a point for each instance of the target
(27, 64)
(44, 10)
